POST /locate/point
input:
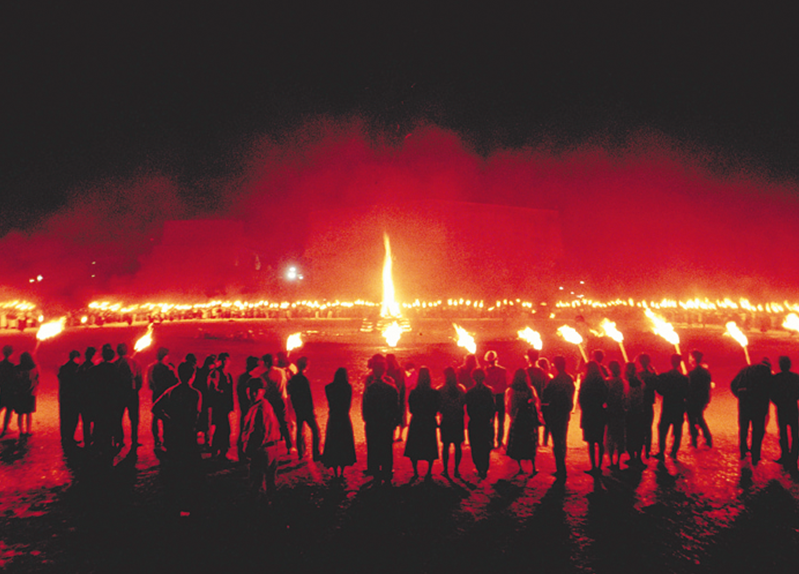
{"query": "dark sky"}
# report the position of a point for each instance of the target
(114, 92)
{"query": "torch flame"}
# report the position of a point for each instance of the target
(294, 341)
(570, 335)
(532, 337)
(663, 328)
(611, 331)
(736, 333)
(50, 329)
(392, 333)
(465, 340)
(791, 322)
(146, 340)
(390, 306)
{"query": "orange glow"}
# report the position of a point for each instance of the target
(663, 328)
(611, 331)
(392, 334)
(532, 337)
(465, 340)
(50, 329)
(294, 341)
(145, 341)
(390, 307)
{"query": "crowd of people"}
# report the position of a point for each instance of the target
(192, 407)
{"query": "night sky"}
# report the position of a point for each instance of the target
(665, 117)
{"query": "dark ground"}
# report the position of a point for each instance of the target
(706, 512)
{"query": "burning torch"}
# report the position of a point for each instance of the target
(572, 336)
(49, 330)
(294, 341)
(791, 322)
(611, 331)
(145, 340)
(532, 337)
(736, 333)
(665, 330)
(465, 340)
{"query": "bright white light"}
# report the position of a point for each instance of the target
(39, 277)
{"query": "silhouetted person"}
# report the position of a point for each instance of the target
(648, 377)
(161, 376)
(7, 385)
(201, 384)
(380, 413)
(465, 371)
(273, 379)
(699, 385)
(537, 376)
(636, 416)
(220, 391)
(559, 400)
(130, 382)
(25, 400)
(617, 415)
(497, 381)
(543, 364)
(453, 402)
(179, 407)
(784, 395)
(397, 374)
(87, 400)
(69, 400)
(339, 440)
(752, 388)
(673, 387)
(104, 390)
(593, 416)
(299, 389)
(260, 438)
(243, 394)
(599, 355)
(481, 406)
(522, 406)
(423, 404)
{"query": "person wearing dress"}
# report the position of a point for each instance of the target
(453, 401)
(522, 404)
(423, 404)
(617, 415)
(25, 400)
(592, 398)
(339, 451)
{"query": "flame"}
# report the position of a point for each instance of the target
(294, 341)
(390, 307)
(146, 340)
(736, 333)
(532, 337)
(663, 328)
(392, 334)
(465, 340)
(51, 329)
(570, 335)
(611, 331)
(791, 322)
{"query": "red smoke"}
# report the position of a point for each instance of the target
(641, 218)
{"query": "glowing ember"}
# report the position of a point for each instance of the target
(50, 329)
(663, 328)
(791, 322)
(294, 341)
(390, 306)
(532, 337)
(570, 335)
(465, 340)
(392, 334)
(145, 341)
(735, 332)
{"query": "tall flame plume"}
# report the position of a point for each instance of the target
(390, 307)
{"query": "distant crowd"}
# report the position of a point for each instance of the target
(192, 406)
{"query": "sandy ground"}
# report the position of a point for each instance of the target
(706, 512)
